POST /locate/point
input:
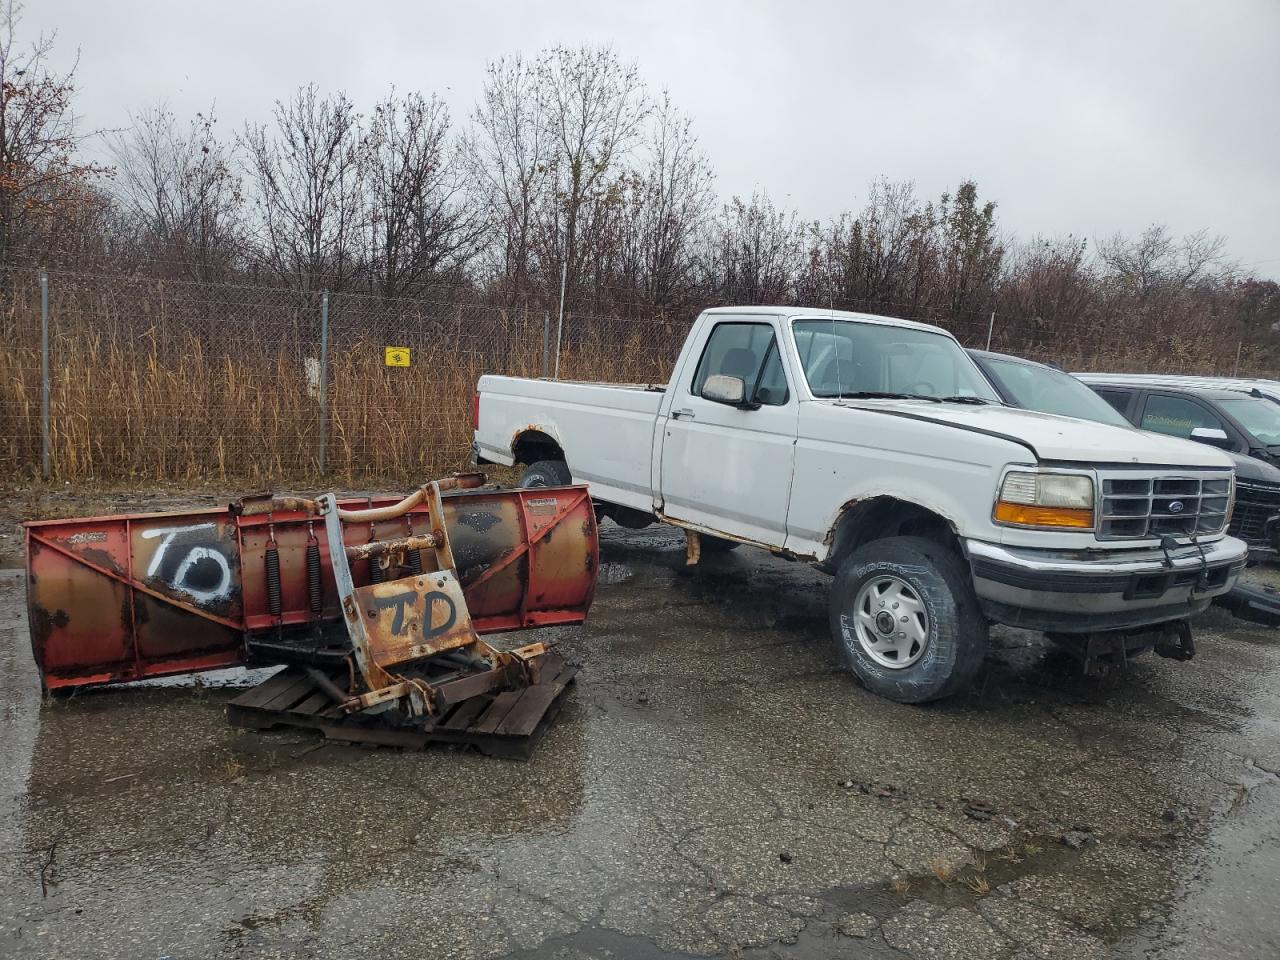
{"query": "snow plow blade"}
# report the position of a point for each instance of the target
(378, 605)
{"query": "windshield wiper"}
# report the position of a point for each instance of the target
(882, 395)
(887, 395)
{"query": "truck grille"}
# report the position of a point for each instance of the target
(1256, 503)
(1136, 505)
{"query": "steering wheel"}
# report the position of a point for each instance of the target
(924, 387)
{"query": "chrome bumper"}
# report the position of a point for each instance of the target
(1086, 591)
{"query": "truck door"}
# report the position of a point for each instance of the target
(728, 468)
(1177, 416)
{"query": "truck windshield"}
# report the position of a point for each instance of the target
(1035, 387)
(1260, 417)
(844, 358)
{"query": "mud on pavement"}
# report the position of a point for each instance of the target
(716, 785)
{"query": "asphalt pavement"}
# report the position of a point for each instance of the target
(717, 784)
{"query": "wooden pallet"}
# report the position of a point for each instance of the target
(507, 724)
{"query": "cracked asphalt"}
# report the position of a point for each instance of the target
(716, 785)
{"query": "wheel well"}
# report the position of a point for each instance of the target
(881, 517)
(534, 445)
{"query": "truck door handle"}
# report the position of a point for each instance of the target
(685, 414)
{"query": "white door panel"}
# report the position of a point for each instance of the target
(727, 468)
(730, 470)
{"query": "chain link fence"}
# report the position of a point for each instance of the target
(159, 380)
(169, 380)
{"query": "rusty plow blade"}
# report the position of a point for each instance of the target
(376, 606)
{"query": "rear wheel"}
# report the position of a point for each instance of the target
(904, 615)
(546, 473)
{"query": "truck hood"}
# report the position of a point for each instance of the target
(1253, 468)
(1053, 437)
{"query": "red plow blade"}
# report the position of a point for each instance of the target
(114, 599)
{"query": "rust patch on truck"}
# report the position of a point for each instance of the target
(538, 433)
(890, 519)
(689, 528)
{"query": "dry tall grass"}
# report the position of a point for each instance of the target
(137, 405)
(149, 385)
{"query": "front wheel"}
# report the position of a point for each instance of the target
(546, 473)
(905, 617)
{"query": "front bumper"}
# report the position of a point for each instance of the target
(1085, 591)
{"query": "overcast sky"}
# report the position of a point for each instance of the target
(1076, 117)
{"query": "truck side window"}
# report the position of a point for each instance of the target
(1117, 398)
(1176, 416)
(772, 389)
(748, 351)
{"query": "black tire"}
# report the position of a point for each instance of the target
(712, 544)
(546, 473)
(953, 626)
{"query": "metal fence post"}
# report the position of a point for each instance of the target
(44, 374)
(564, 276)
(324, 375)
(546, 344)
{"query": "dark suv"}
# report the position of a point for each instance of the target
(1246, 426)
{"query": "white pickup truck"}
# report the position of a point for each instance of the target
(874, 447)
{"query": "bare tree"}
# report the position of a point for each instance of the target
(307, 190)
(1156, 261)
(883, 259)
(1139, 264)
(507, 154)
(42, 184)
(592, 106)
(756, 252)
(1202, 260)
(180, 193)
(422, 224)
(667, 202)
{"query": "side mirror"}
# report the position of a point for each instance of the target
(721, 388)
(1213, 436)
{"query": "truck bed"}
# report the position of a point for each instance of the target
(605, 429)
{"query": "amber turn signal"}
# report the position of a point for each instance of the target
(1026, 515)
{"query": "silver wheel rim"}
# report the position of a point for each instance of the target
(891, 622)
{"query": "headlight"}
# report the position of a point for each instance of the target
(1045, 500)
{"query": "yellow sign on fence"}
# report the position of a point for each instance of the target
(397, 356)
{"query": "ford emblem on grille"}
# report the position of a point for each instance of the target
(1177, 506)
